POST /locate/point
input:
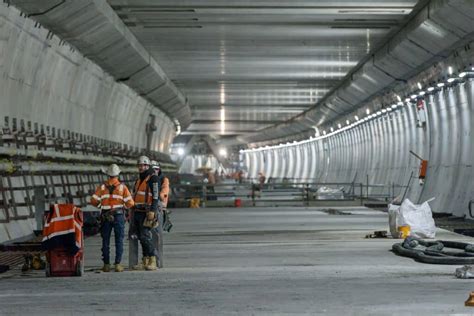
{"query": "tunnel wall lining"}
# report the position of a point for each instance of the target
(378, 150)
(44, 80)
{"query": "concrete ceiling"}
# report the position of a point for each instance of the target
(263, 62)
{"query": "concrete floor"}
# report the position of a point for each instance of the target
(265, 261)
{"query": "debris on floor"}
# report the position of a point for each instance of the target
(465, 272)
(377, 234)
(333, 211)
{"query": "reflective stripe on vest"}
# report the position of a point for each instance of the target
(111, 200)
(64, 219)
(142, 195)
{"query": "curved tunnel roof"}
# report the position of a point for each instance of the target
(250, 72)
(251, 65)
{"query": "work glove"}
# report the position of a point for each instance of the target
(150, 216)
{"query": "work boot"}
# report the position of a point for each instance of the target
(141, 266)
(106, 267)
(151, 264)
(118, 267)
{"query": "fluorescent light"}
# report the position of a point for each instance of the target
(324, 132)
(419, 85)
(180, 151)
(222, 152)
(422, 93)
(384, 111)
(368, 111)
(413, 96)
(222, 120)
(356, 117)
(398, 98)
(394, 106)
(222, 94)
(332, 129)
(462, 74)
(430, 89)
(338, 125)
(407, 100)
(378, 113)
(347, 122)
(450, 70)
(399, 103)
(389, 109)
(451, 80)
(441, 84)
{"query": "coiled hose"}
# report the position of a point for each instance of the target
(434, 252)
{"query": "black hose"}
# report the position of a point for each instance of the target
(434, 251)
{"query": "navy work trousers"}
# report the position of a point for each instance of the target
(118, 225)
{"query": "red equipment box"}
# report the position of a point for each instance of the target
(62, 261)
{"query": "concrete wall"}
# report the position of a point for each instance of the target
(379, 149)
(44, 80)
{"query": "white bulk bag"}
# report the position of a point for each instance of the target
(418, 217)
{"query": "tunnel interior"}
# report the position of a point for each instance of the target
(287, 123)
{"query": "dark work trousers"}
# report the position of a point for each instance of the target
(143, 234)
(157, 234)
(118, 225)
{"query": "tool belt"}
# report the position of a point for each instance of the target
(141, 208)
(108, 216)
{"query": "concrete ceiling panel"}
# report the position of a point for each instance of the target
(456, 16)
(145, 80)
(395, 67)
(430, 35)
(97, 32)
(163, 94)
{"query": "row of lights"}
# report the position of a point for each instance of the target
(222, 152)
(452, 79)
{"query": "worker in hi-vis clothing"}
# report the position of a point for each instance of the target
(112, 197)
(145, 215)
(164, 183)
(163, 214)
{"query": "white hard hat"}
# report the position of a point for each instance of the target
(143, 160)
(155, 164)
(112, 171)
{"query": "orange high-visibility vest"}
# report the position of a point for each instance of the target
(164, 191)
(63, 219)
(119, 197)
(142, 194)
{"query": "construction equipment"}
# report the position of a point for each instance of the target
(423, 167)
(65, 251)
